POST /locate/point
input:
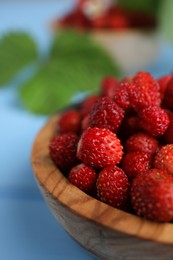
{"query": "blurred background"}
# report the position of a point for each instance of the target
(52, 53)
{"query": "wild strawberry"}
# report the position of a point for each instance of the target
(130, 125)
(113, 187)
(99, 148)
(85, 122)
(133, 122)
(142, 142)
(164, 158)
(168, 98)
(163, 81)
(154, 120)
(75, 19)
(105, 113)
(118, 21)
(83, 177)
(87, 104)
(81, 4)
(99, 22)
(126, 79)
(62, 150)
(169, 131)
(109, 86)
(70, 121)
(121, 96)
(151, 195)
(145, 92)
(134, 163)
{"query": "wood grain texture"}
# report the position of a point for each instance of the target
(107, 232)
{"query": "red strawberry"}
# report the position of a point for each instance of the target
(99, 22)
(83, 177)
(135, 163)
(70, 121)
(151, 195)
(154, 120)
(163, 81)
(75, 19)
(169, 131)
(85, 122)
(81, 4)
(113, 187)
(126, 79)
(145, 92)
(99, 148)
(142, 142)
(119, 21)
(164, 158)
(130, 125)
(133, 122)
(118, 17)
(105, 113)
(109, 86)
(168, 98)
(121, 96)
(87, 104)
(62, 150)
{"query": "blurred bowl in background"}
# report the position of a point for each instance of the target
(131, 49)
(129, 36)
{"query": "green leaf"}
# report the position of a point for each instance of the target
(77, 64)
(166, 19)
(44, 93)
(16, 51)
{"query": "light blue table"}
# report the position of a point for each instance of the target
(27, 228)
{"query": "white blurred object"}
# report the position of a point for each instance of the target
(131, 49)
(94, 8)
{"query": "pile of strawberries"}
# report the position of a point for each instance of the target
(118, 146)
(114, 17)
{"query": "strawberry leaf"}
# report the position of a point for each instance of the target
(16, 51)
(77, 64)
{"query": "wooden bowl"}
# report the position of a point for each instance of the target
(107, 232)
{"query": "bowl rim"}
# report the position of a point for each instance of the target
(81, 204)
